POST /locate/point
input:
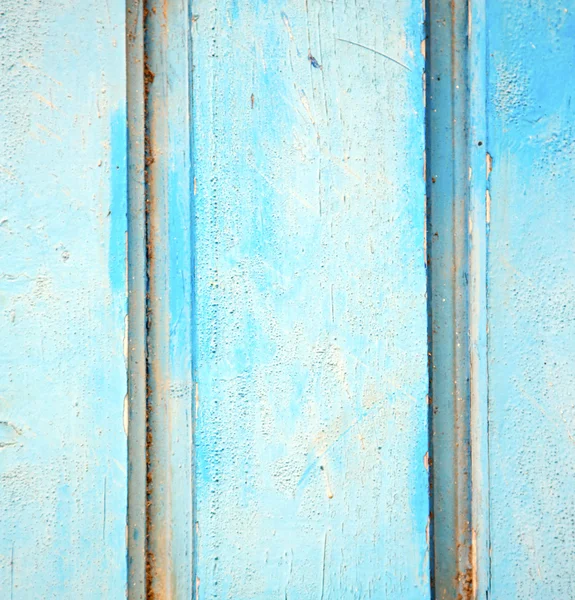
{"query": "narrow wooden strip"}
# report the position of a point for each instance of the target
(479, 166)
(137, 290)
(169, 233)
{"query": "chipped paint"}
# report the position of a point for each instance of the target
(510, 332)
(278, 441)
(310, 301)
(531, 293)
(63, 483)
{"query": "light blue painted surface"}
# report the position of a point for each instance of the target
(62, 300)
(286, 300)
(531, 293)
(311, 429)
(479, 171)
(500, 151)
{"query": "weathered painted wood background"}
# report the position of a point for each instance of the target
(500, 149)
(63, 300)
(531, 294)
(247, 183)
(311, 430)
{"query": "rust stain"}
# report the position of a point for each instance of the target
(474, 560)
(158, 331)
(488, 165)
(465, 584)
(465, 578)
(149, 160)
(157, 572)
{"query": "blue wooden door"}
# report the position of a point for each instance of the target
(500, 181)
(286, 299)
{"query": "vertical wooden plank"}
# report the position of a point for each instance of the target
(62, 300)
(170, 269)
(137, 300)
(311, 431)
(531, 275)
(479, 168)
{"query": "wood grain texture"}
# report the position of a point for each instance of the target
(62, 300)
(311, 411)
(531, 293)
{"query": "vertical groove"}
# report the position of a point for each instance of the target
(457, 184)
(148, 80)
(429, 287)
(137, 259)
(453, 305)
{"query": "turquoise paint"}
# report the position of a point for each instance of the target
(479, 208)
(310, 360)
(500, 157)
(62, 206)
(118, 205)
(286, 342)
(530, 122)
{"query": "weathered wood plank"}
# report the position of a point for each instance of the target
(137, 301)
(170, 300)
(311, 430)
(63, 300)
(531, 297)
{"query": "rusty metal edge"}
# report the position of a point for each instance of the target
(137, 286)
(169, 447)
(457, 257)
(448, 272)
(158, 434)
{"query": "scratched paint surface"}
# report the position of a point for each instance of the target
(62, 300)
(311, 409)
(531, 292)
